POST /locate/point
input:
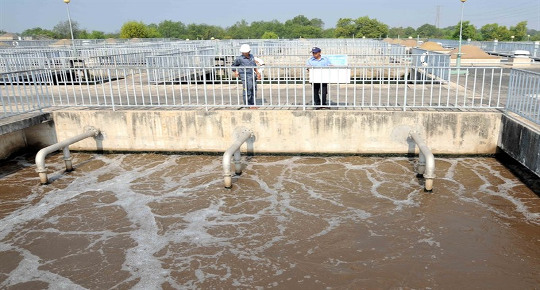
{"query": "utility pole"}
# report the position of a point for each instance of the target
(438, 17)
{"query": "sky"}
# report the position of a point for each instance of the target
(109, 15)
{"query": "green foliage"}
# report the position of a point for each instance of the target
(428, 31)
(409, 32)
(204, 31)
(170, 29)
(240, 30)
(401, 32)
(269, 35)
(494, 31)
(345, 28)
(370, 28)
(302, 27)
(133, 29)
(328, 33)
(96, 35)
(468, 31)
(299, 20)
(63, 31)
(38, 32)
(297, 27)
(519, 31)
(363, 26)
(259, 28)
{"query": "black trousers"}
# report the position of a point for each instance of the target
(322, 90)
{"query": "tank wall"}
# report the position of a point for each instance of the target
(323, 131)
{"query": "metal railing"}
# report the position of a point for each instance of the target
(524, 94)
(395, 86)
(26, 91)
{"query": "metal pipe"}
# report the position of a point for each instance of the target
(240, 135)
(64, 145)
(426, 162)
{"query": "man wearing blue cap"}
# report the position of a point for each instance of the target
(319, 60)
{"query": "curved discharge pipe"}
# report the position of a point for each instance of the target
(40, 156)
(426, 162)
(240, 135)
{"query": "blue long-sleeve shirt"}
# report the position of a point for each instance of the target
(243, 61)
(323, 61)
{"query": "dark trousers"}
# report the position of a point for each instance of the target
(317, 91)
(249, 86)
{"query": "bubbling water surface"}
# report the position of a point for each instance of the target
(153, 221)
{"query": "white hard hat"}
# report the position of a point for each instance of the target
(245, 48)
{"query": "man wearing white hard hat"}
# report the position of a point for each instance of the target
(248, 73)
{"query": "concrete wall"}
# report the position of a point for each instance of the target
(32, 133)
(521, 140)
(279, 131)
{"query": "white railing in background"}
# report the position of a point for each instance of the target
(524, 94)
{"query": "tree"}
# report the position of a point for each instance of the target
(62, 29)
(328, 33)
(428, 31)
(297, 31)
(316, 22)
(468, 31)
(494, 31)
(133, 29)
(240, 30)
(396, 32)
(301, 26)
(269, 35)
(519, 31)
(409, 32)
(96, 35)
(261, 27)
(345, 28)
(299, 20)
(38, 32)
(370, 28)
(204, 31)
(170, 29)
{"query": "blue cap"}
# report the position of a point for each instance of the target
(315, 49)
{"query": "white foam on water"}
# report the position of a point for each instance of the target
(504, 189)
(199, 228)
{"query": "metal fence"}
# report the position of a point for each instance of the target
(197, 74)
(524, 94)
(396, 86)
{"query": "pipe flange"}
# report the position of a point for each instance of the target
(429, 176)
(239, 131)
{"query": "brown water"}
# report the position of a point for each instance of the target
(152, 221)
